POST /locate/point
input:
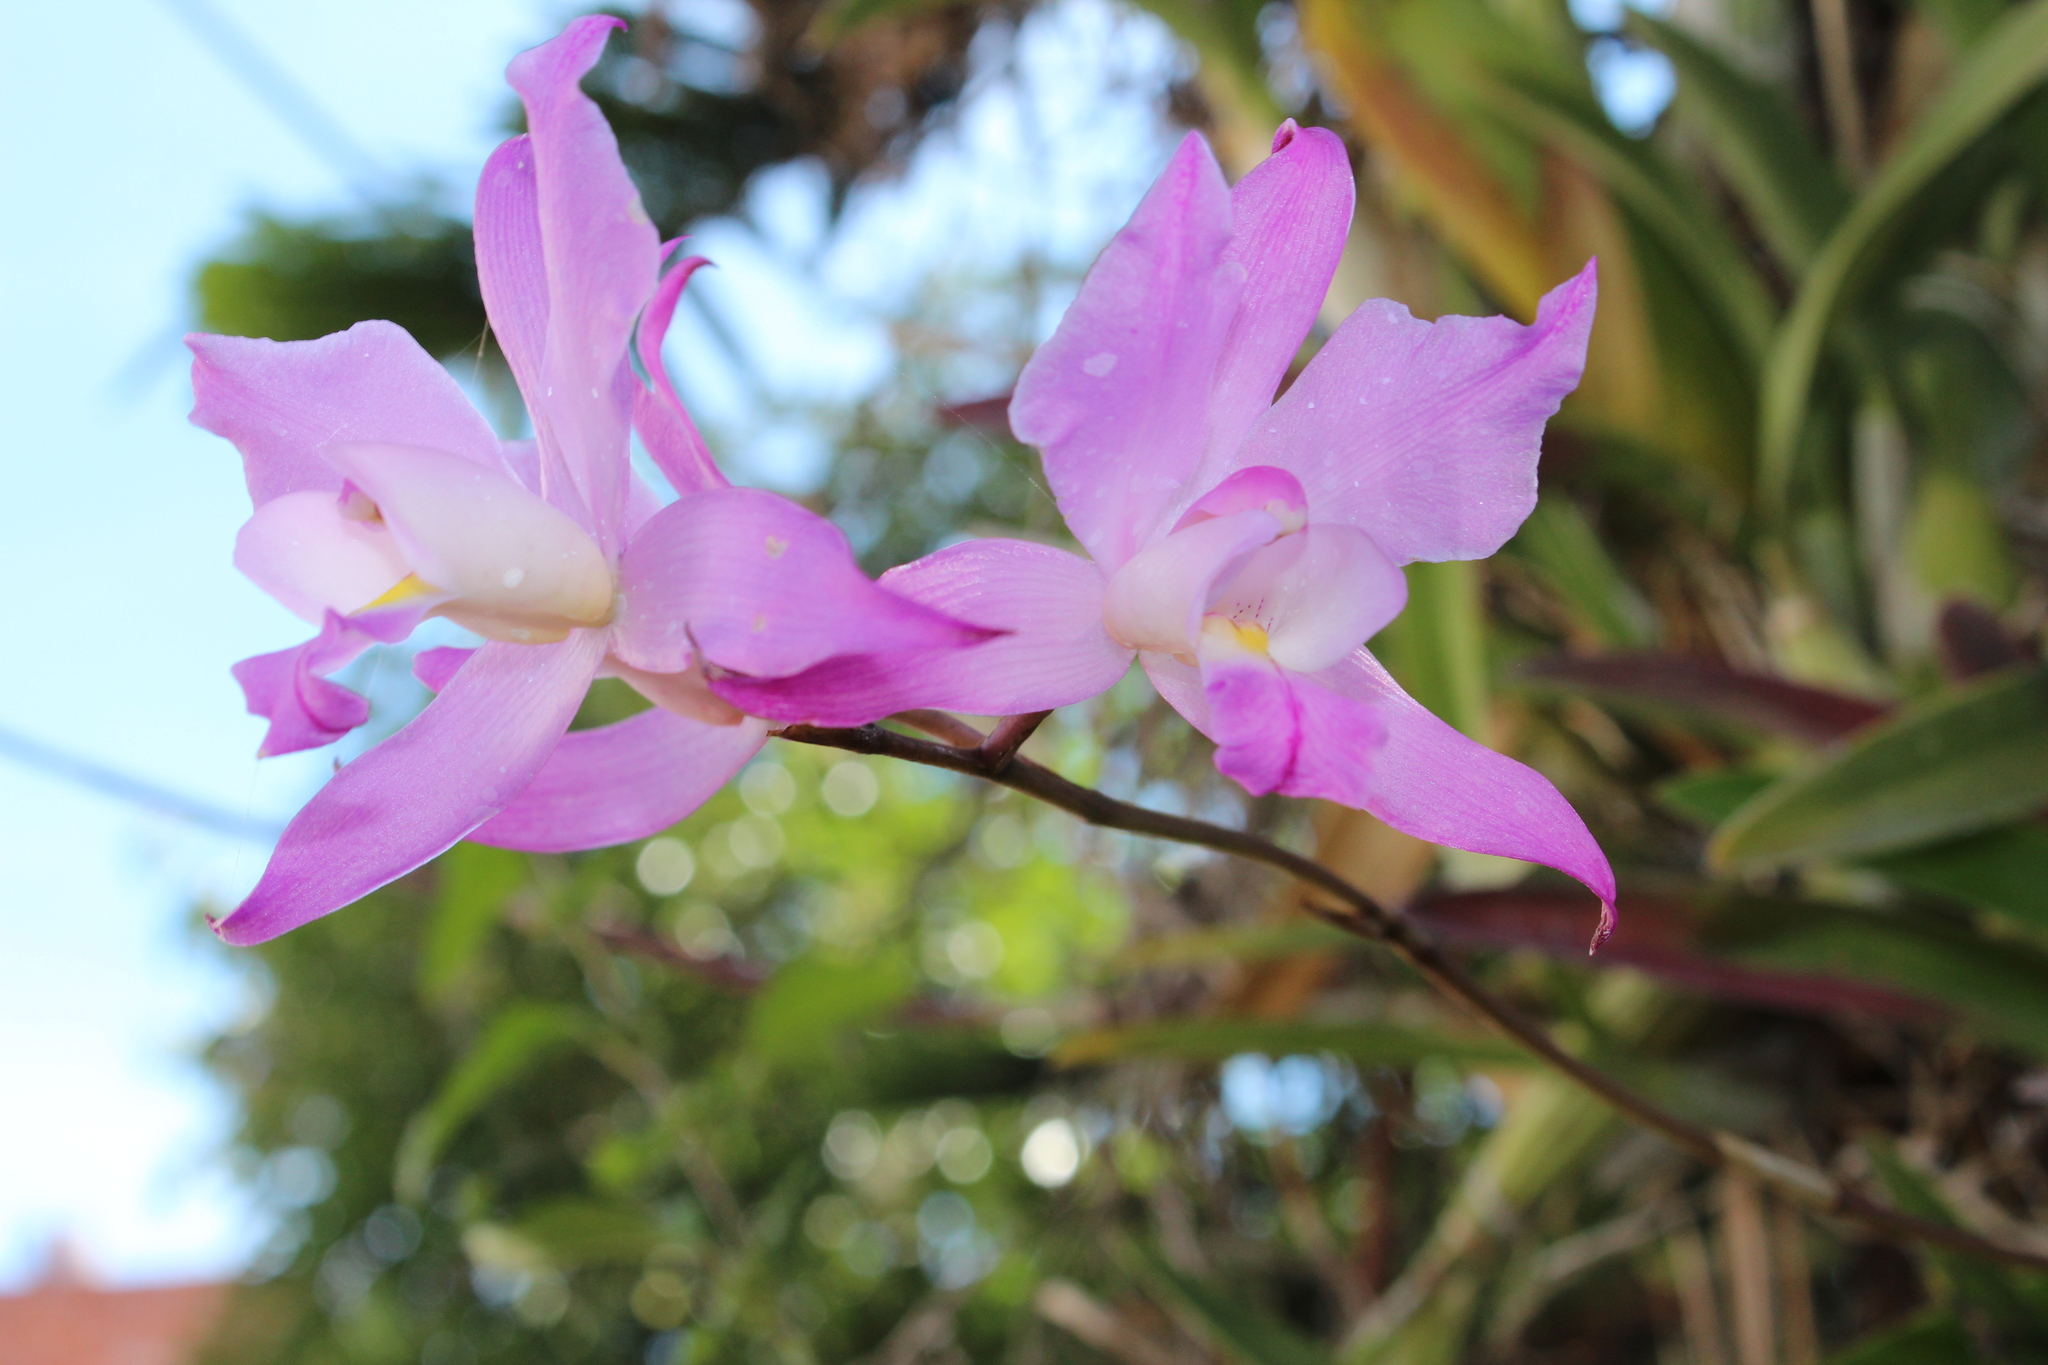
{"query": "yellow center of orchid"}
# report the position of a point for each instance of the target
(1251, 635)
(1226, 636)
(404, 590)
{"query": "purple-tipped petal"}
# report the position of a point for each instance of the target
(1425, 779)
(1425, 435)
(622, 782)
(1056, 653)
(671, 438)
(601, 252)
(762, 587)
(1118, 400)
(291, 689)
(1289, 219)
(283, 402)
(461, 761)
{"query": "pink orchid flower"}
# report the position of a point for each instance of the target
(382, 497)
(1243, 547)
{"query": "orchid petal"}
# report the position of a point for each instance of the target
(664, 424)
(1426, 779)
(1425, 435)
(642, 502)
(511, 263)
(687, 693)
(601, 254)
(291, 689)
(1434, 783)
(522, 462)
(1117, 400)
(506, 556)
(435, 667)
(1275, 730)
(511, 268)
(1289, 217)
(458, 763)
(303, 551)
(621, 782)
(1261, 486)
(762, 587)
(1156, 600)
(510, 258)
(1319, 595)
(1056, 653)
(1253, 715)
(284, 402)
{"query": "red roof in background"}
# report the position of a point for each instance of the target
(65, 1322)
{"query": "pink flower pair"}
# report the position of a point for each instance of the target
(1243, 549)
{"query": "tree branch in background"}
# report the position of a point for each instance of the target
(961, 748)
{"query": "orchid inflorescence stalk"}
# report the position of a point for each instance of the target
(1241, 546)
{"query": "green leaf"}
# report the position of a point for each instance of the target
(1237, 1332)
(1436, 647)
(1997, 1292)
(1667, 207)
(2004, 871)
(1999, 988)
(578, 1232)
(1560, 544)
(1963, 22)
(296, 281)
(837, 20)
(476, 881)
(814, 999)
(1212, 1040)
(1931, 1339)
(1957, 540)
(2004, 66)
(1791, 190)
(515, 1041)
(1255, 942)
(1967, 761)
(1710, 797)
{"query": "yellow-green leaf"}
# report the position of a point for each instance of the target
(1967, 761)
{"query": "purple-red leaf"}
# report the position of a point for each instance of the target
(1810, 714)
(1658, 935)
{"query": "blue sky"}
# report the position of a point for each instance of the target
(130, 152)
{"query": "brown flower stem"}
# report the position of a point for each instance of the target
(1009, 736)
(961, 748)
